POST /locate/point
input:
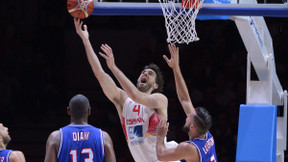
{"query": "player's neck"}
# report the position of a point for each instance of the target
(149, 91)
(79, 121)
(2, 146)
(193, 136)
(203, 136)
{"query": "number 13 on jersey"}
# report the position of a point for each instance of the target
(88, 151)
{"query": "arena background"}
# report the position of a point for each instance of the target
(43, 64)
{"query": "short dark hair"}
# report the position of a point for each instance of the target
(202, 120)
(79, 106)
(159, 76)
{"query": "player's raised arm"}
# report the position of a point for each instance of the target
(155, 100)
(108, 85)
(182, 90)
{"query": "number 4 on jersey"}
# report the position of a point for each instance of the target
(137, 109)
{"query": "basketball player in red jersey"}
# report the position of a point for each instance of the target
(139, 108)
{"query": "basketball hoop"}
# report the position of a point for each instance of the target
(180, 20)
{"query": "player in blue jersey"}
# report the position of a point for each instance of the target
(79, 141)
(7, 155)
(201, 146)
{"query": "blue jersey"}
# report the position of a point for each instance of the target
(81, 143)
(206, 148)
(4, 155)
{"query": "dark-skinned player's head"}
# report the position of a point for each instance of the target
(79, 107)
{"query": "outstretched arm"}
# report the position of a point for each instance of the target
(181, 88)
(109, 150)
(156, 100)
(108, 85)
(184, 150)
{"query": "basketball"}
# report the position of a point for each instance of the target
(80, 9)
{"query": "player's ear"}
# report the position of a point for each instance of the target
(89, 111)
(192, 126)
(155, 86)
(68, 111)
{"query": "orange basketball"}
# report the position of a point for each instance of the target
(80, 9)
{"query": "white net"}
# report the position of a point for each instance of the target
(180, 20)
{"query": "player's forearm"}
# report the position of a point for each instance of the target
(160, 148)
(125, 83)
(181, 87)
(93, 59)
(106, 82)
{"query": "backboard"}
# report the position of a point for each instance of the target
(267, 8)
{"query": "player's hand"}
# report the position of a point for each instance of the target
(83, 33)
(173, 62)
(108, 55)
(162, 128)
